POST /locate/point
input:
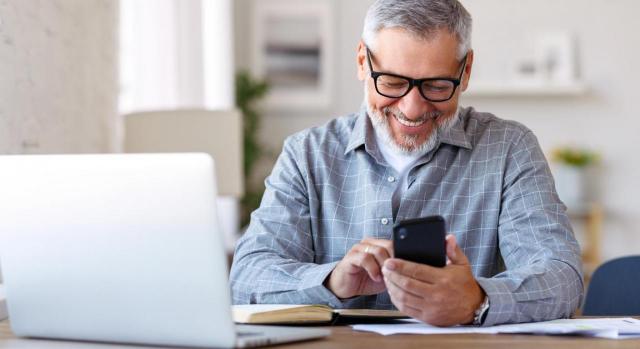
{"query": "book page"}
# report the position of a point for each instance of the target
(370, 313)
(281, 313)
(260, 308)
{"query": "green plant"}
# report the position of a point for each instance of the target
(248, 91)
(572, 156)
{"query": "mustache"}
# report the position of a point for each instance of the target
(428, 115)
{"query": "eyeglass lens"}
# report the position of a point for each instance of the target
(393, 86)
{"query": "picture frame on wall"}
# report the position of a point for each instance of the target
(292, 50)
(552, 61)
(556, 55)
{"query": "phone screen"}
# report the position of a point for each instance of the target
(421, 240)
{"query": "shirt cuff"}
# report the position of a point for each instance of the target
(313, 285)
(502, 304)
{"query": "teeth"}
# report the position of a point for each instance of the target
(410, 123)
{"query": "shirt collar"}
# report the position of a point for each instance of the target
(456, 135)
(363, 133)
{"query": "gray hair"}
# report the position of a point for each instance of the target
(421, 18)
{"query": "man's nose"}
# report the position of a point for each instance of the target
(413, 105)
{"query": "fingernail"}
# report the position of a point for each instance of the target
(390, 265)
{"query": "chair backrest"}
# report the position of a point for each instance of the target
(216, 132)
(615, 289)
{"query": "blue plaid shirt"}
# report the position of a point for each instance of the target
(489, 179)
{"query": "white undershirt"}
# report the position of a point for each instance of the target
(402, 164)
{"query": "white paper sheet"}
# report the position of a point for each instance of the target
(614, 328)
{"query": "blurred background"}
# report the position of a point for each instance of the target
(234, 78)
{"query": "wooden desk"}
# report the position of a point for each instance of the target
(344, 337)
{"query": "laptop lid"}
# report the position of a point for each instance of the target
(114, 248)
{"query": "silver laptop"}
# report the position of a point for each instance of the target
(119, 248)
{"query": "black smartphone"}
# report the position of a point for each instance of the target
(421, 240)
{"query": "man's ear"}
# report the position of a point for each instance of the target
(467, 71)
(361, 56)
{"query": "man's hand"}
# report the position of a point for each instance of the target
(438, 296)
(359, 272)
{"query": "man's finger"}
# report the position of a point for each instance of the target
(406, 283)
(368, 262)
(418, 271)
(386, 244)
(402, 298)
(410, 311)
(379, 253)
(454, 252)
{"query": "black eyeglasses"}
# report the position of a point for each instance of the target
(432, 89)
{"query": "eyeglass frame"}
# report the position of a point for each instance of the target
(416, 82)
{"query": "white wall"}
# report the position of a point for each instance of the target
(177, 54)
(605, 119)
(608, 36)
(58, 76)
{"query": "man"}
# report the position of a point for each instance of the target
(322, 233)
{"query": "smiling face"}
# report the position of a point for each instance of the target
(410, 123)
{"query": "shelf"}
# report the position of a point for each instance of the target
(514, 89)
(593, 216)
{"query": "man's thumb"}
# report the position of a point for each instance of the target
(454, 252)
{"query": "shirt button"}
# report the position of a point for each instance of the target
(384, 221)
(391, 179)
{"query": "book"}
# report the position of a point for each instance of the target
(305, 314)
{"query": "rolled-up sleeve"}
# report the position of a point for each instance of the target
(274, 260)
(543, 277)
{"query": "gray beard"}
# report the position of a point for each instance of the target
(410, 145)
